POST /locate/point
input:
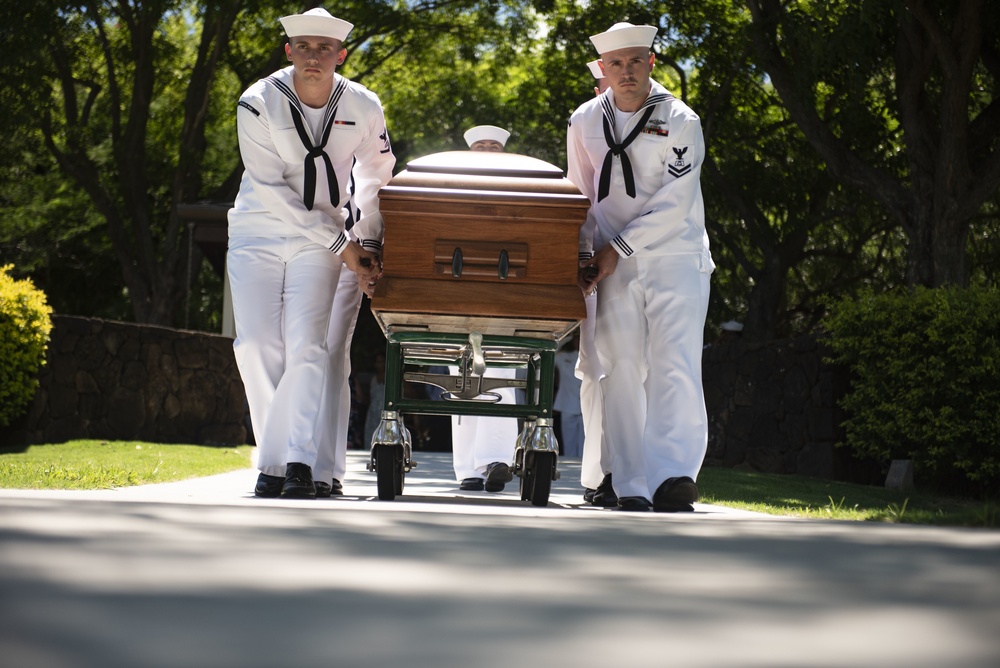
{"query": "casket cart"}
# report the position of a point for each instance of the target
(480, 266)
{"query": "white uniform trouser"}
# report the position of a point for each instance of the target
(595, 462)
(335, 414)
(478, 441)
(650, 329)
(282, 290)
(571, 429)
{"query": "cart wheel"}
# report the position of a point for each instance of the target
(388, 471)
(525, 482)
(539, 467)
(522, 474)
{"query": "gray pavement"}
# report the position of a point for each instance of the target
(200, 573)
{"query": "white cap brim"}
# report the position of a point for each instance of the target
(316, 23)
(595, 69)
(624, 36)
(486, 133)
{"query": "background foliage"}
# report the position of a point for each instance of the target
(924, 366)
(851, 144)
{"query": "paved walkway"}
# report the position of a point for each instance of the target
(200, 573)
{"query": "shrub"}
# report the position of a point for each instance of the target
(924, 367)
(25, 324)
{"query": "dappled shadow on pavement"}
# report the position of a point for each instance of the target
(431, 580)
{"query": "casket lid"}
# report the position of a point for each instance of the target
(466, 173)
(483, 163)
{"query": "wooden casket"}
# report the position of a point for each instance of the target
(478, 241)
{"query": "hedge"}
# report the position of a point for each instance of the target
(924, 367)
(25, 324)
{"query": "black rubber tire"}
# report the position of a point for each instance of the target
(388, 471)
(539, 469)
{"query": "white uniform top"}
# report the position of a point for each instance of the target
(286, 190)
(667, 214)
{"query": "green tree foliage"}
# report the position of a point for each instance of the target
(443, 66)
(785, 231)
(117, 112)
(900, 100)
(924, 367)
(119, 94)
(25, 324)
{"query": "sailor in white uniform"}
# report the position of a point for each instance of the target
(301, 130)
(595, 465)
(335, 414)
(483, 447)
(636, 152)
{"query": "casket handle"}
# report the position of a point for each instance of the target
(503, 266)
(456, 263)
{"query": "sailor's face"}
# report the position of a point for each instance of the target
(627, 72)
(315, 58)
(487, 145)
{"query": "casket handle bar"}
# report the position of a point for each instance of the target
(503, 266)
(478, 360)
(456, 263)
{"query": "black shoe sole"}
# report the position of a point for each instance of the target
(467, 486)
(297, 492)
(633, 504)
(676, 496)
(497, 477)
(268, 486)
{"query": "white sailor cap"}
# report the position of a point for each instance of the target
(316, 23)
(624, 36)
(486, 133)
(595, 69)
(732, 326)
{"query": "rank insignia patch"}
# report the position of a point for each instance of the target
(679, 167)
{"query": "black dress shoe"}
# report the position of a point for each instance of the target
(325, 490)
(472, 485)
(298, 482)
(633, 504)
(604, 495)
(497, 475)
(675, 495)
(268, 486)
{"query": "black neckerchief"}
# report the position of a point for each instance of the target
(608, 121)
(313, 152)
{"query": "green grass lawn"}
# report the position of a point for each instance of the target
(799, 496)
(96, 464)
(89, 464)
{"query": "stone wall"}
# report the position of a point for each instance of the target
(772, 407)
(115, 380)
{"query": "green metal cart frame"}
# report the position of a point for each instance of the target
(471, 392)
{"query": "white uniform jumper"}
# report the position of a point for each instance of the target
(641, 173)
(286, 230)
